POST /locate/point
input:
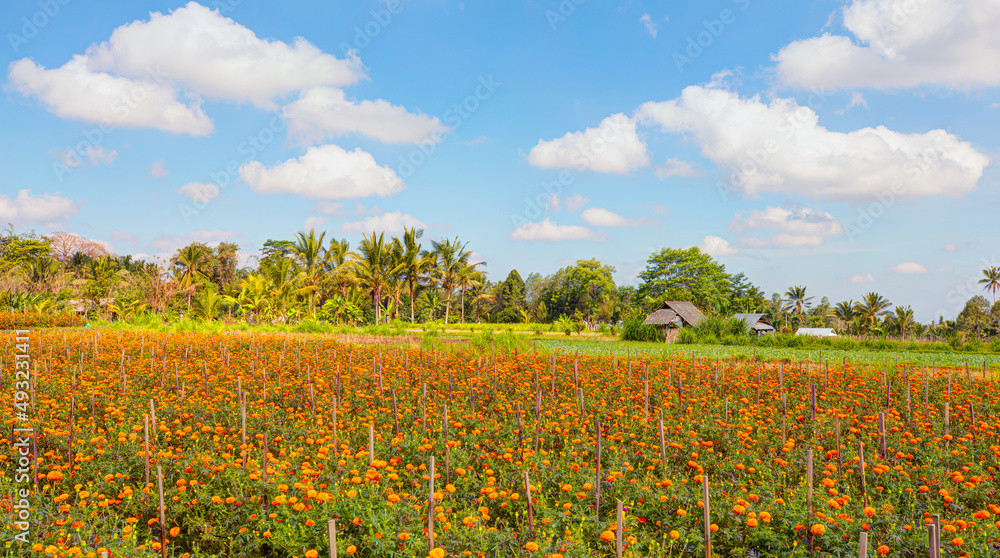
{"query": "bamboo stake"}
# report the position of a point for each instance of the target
(163, 512)
(371, 443)
(708, 517)
(430, 500)
(531, 510)
(145, 431)
(619, 547)
(331, 533)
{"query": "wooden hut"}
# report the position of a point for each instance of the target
(672, 316)
(757, 324)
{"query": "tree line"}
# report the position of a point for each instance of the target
(385, 278)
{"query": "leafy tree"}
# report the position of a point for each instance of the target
(903, 319)
(512, 299)
(975, 315)
(686, 275)
(17, 249)
(587, 288)
(745, 297)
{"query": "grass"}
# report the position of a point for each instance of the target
(917, 358)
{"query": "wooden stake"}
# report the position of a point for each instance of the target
(619, 547)
(163, 512)
(531, 510)
(430, 499)
(708, 517)
(331, 533)
(863, 545)
(145, 430)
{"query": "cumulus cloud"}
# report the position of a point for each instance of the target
(219, 58)
(391, 223)
(614, 146)
(325, 172)
(77, 92)
(901, 43)
(796, 228)
(93, 154)
(326, 112)
(330, 208)
(676, 167)
(600, 217)
(156, 170)
(859, 278)
(155, 73)
(45, 208)
(313, 223)
(199, 191)
(780, 147)
(909, 268)
(717, 246)
(571, 204)
(547, 231)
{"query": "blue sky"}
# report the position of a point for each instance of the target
(848, 147)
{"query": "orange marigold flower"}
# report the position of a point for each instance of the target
(531, 546)
(607, 536)
(818, 529)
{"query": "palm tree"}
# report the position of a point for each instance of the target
(416, 264)
(904, 319)
(192, 260)
(207, 306)
(991, 278)
(844, 312)
(468, 277)
(311, 255)
(452, 257)
(374, 267)
(797, 301)
(871, 306)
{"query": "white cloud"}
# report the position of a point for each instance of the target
(325, 172)
(571, 204)
(46, 208)
(950, 247)
(857, 100)
(199, 191)
(167, 245)
(77, 92)
(219, 58)
(156, 170)
(389, 223)
(125, 237)
(909, 268)
(93, 154)
(901, 43)
(716, 246)
(326, 112)
(613, 146)
(797, 228)
(647, 22)
(781, 148)
(313, 223)
(330, 208)
(476, 140)
(547, 231)
(676, 167)
(860, 278)
(600, 217)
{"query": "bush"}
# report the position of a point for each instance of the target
(635, 330)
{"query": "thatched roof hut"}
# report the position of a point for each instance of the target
(756, 323)
(671, 311)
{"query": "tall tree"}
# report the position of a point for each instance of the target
(452, 257)
(871, 307)
(991, 280)
(903, 319)
(192, 261)
(416, 264)
(308, 249)
(686, 275)
(374, 266)
(512, 298)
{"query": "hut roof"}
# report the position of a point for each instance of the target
(816, 331)
(687, 311)
(757, 322)
(663, 317)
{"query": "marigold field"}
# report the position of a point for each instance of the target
(312, 399)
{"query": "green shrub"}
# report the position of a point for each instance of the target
(636, 330)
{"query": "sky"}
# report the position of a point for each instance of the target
(846, 146)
